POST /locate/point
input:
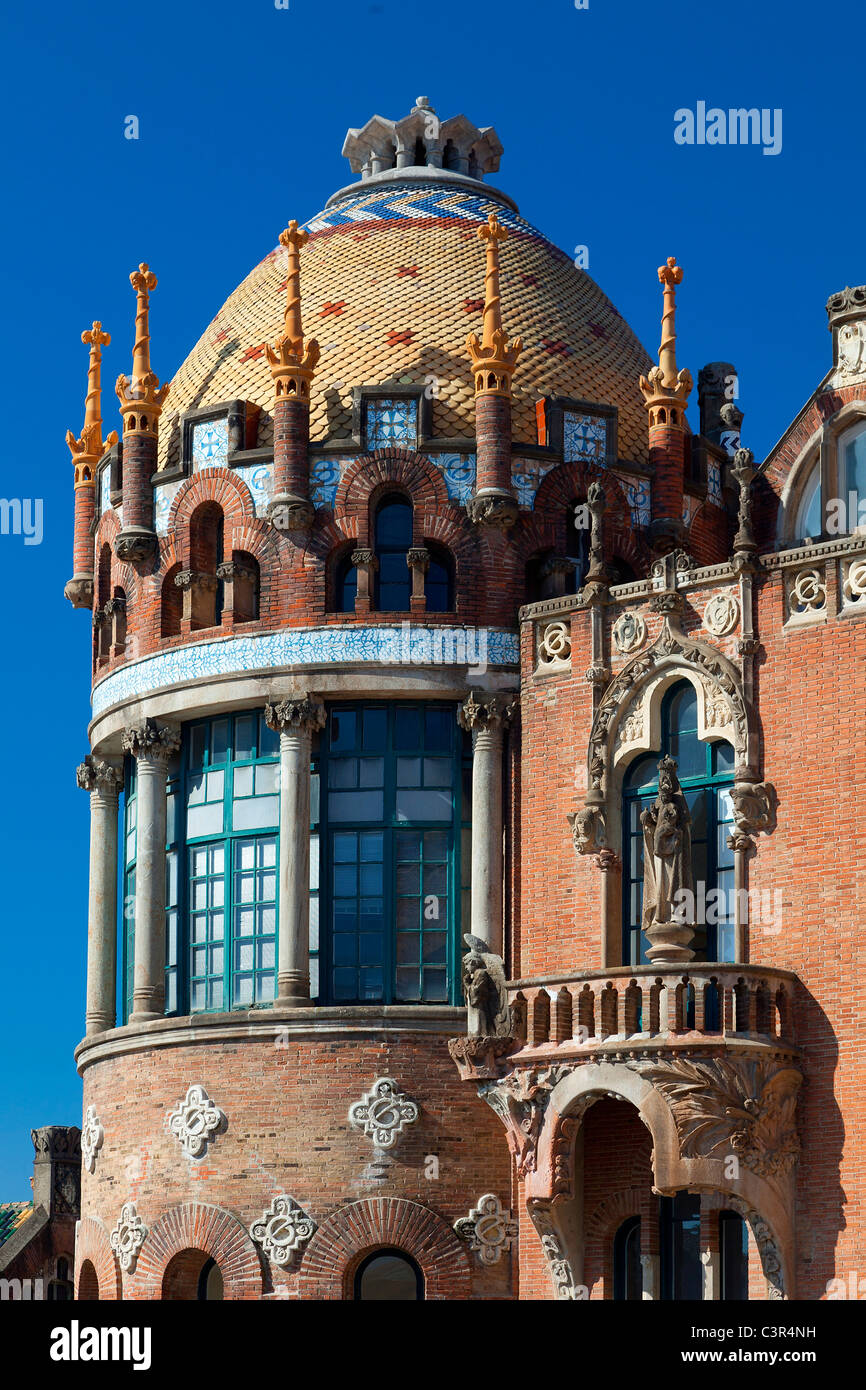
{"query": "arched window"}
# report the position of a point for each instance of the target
(439, 580)
(88, 1284)
(246, 585)
(389, 1276)
(577, 532)
(706, 773)
(345, 584)
(420, 155)
(170, 604)
(627, 1273)
(210, 1283)
(733, 1257)
(206, 530)
(192, 1276)
(681, 1271)
(851, 463)
(808, 523)
(393, 537)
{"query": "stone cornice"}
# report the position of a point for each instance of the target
(263, 1026)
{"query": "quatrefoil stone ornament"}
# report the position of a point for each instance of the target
(92, 1136)
(196, 1121)
(283, 1230)
(128, 1237)
(721, 614)
(489, 1228)
(383, 1113)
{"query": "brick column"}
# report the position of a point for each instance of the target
(295, 720)
(666, 392)
(86, 453)
(493, 361)
(292, 361)
(487, 717)
(103, 781)
(141, 400)
(152, 745)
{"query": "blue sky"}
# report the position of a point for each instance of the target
(242, 110)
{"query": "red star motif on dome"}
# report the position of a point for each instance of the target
(410, 270)
(395, 338)
(221, 336)
(529, 280)
(473, 306)
(556, 349)
(333, 308)
(253, 352)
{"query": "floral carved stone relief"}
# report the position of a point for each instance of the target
(196, 1121)
(383, 1113)
(128, 1237)
(489, 1228)
(283, 1230)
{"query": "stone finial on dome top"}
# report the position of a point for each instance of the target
(292, 362)
(493, 360)
(664, 382)
(90, 447)
(141, 391)
(421, 140)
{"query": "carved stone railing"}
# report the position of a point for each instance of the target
(592, 1009)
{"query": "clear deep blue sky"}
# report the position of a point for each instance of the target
(243, 109)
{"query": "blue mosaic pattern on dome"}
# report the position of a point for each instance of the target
(415, 201)
(391, 421)
(210, 444)
(408, 644)
(259, 479)
(105, 489)
(526, 476)
(585, 437)
(163, 497)
(637, 491)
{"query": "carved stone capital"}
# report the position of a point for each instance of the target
(194, 579)
(95, 774)
(233, 569)
(79, 590)
(418, 557)
(136, 546)
(151, 740)
(481, 712)
(114, 605)
(608, 861)
(296, 714)
(597, 674)
(365, 557)
(496, 509)
(669, 603)
(288, 512)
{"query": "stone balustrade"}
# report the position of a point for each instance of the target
(592, 1009)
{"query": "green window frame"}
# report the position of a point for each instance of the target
(393, 826)
(706, 773)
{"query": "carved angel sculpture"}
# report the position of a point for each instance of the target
(484, 989)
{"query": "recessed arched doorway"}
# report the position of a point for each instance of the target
(192, 1276)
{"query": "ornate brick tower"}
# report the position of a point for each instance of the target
(388, 622)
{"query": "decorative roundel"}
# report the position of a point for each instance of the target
(721, 614)
(629, 632)
(555, 643)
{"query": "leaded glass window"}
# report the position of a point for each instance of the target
(394, 834)
(393, 533)
(705, 771)
(210, 444)
(584, 437)
(390, 420)
(852, 476)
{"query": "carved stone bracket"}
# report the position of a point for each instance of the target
(565, 1286)
(754, 806)
(496, 509)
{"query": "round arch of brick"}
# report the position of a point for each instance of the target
(218, 485)
(358, 1229)
(92, 1246)
(371, 475)
(196, 1226)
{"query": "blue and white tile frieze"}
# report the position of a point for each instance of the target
(163, 497)
(403, 644)
(459, 472)
(326, 473)
(259, 479)
(714, 484)
(105, 489)
(637, 491)
(526, 476)
(584, 437)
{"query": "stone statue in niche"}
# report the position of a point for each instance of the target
(484, 990)
(668, 887)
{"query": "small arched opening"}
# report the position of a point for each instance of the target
(88, 1284)
(388, 1275)
(192, 1276)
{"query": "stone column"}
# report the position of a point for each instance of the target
(103, 781)
(366, 564)
(294, 719)
(487, 717)
(610, 864)
(152, 745)
(418, 560)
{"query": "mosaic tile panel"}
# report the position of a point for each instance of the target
(459, 471)
(259, 479)
(638, 495)
(407, 644)
(526, 476)
(163, 498)
(391, 422)
(714, 484)
(325, 477)
(105, 490)
(584, 437)
(210, 444)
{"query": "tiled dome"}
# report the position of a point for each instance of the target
(392, 281)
